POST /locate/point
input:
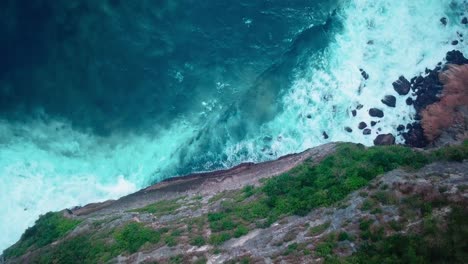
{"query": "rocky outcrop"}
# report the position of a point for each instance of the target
(440, 97)
(384, 139)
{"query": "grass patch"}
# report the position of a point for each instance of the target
(198, 241)
(159, 208)
(316, 230)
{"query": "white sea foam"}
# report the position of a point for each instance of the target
(385, 38)
(48, 166)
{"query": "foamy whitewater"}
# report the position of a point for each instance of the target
(47, 164)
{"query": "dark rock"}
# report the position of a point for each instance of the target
(443, 21)
(348, 129)
(464, 21)
(389, 100)
(456, 57)
(325, 135)
(309, 116)
(402, 86)
(373, 123)
(364, 74)
(400, 128)
(362, 125)
(359, 107)
(409, 126)
(374, 112)
(370, 42)
(409, 101)
(385, 139)
(354, 112)
(455, 42)
(415, 136)
(366, 131)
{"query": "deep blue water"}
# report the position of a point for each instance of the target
(100, 98)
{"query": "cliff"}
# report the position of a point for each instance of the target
(339, 202)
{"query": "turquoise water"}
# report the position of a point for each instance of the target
(101, 98)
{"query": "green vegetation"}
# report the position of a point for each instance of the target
(159, 208)
(446, 243)
(132, 236)
(198, 241)
(350, 168)
(218, 239)
(97, 248)
(47, 229)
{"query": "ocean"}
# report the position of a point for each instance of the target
(101, 98)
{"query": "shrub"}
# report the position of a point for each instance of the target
(133, 235)
(198, 241)
(241, 231)
(47, 229)
(218, 239)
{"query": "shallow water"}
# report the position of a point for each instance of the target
(101, 98)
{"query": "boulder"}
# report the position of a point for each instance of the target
(400, 128)
(366, 131)
(348, 129)
(402, 86)
(354, 112)
(373, 123)
(362, 125)
(384, 139)
(389, 100)
(464, 21)
(374, 112)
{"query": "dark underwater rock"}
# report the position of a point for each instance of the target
(325, 135)
(364, 74)
(348, 129)
(443, 21)
(366, 131)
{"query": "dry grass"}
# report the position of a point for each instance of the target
(443, 114)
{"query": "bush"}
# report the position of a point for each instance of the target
(198, 241)
(133, 235)
(241, 231)
(218, 239)
(47, 229)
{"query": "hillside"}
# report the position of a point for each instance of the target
(337, 203)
